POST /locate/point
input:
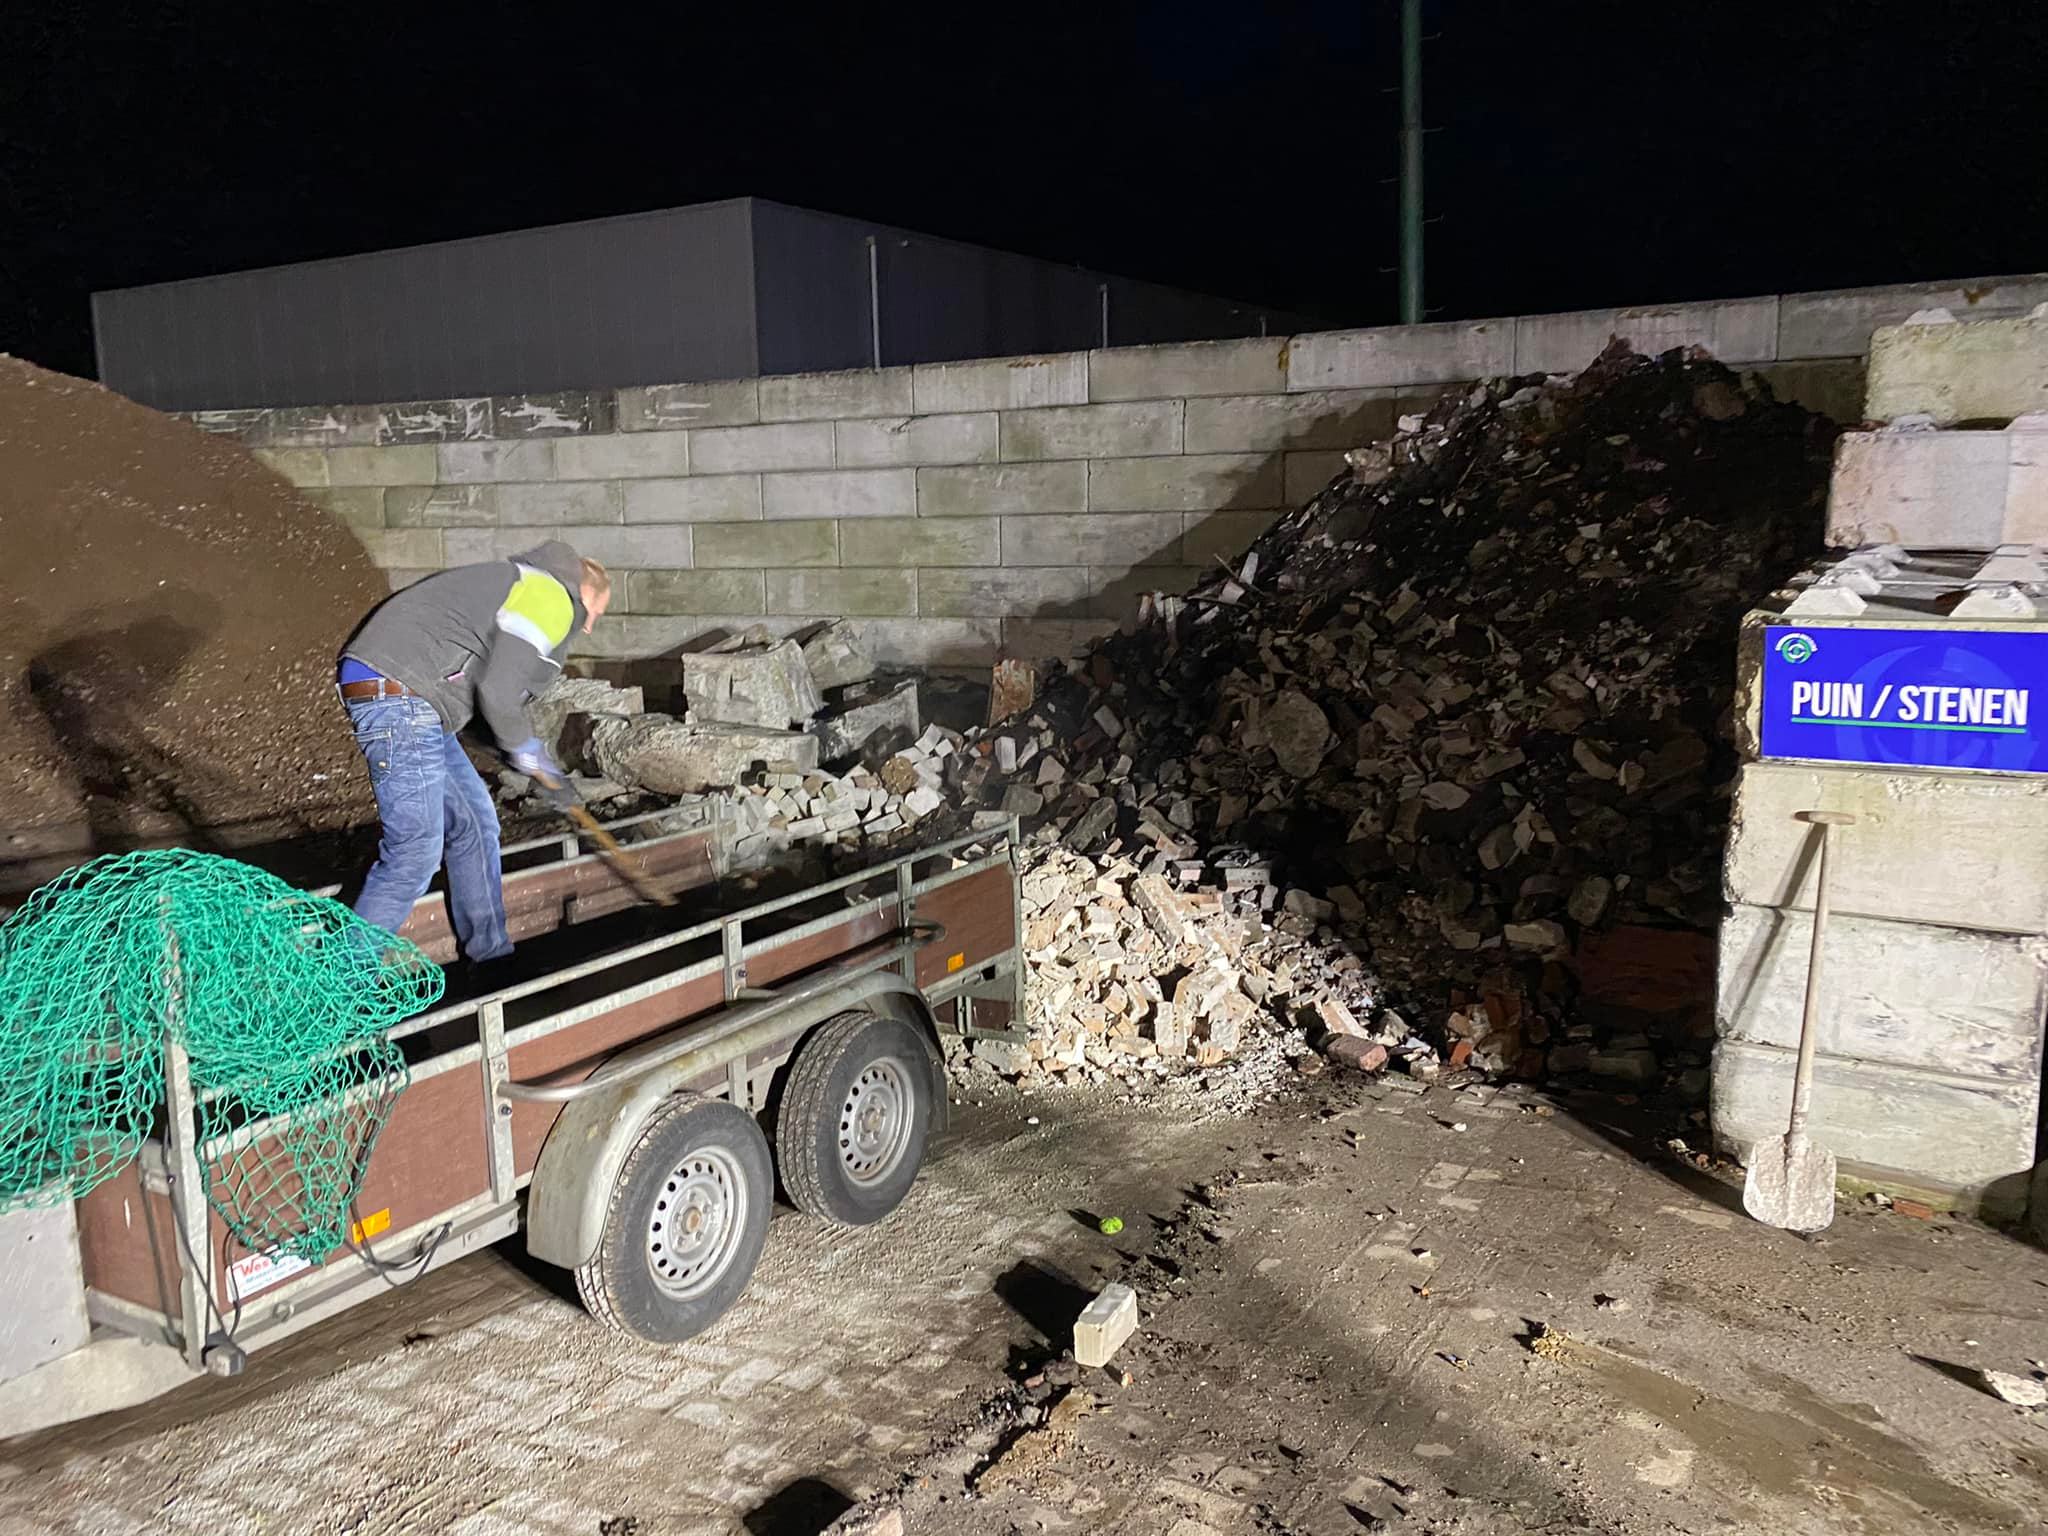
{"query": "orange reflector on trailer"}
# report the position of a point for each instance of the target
(954, 963)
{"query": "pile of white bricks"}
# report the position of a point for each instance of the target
(1934, 988)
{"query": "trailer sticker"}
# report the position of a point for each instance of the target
(1927, 698)
(260, 1271)
(371, 1225)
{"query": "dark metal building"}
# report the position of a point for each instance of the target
(713, 291)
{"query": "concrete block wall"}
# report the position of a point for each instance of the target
(958, 509)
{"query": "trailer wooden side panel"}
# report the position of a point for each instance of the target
(979, 912)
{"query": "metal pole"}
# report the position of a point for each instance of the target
(1102, 292)
(875, 301)
(1411, 162)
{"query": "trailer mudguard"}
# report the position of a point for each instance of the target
(589, 1141)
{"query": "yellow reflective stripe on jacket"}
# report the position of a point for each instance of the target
(538, 610)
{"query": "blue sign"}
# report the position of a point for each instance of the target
(1922, 697)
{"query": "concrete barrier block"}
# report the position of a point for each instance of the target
(1244, 367)
(975, 593)
(1185, 483)
(1958, 850)
(1927, 490)
(558, 413)
(1207, 537)
(826, 396)
(635, 636)
(1832, 386)
(401, 577)
(441, 506)
(308, 426)
(1093, 431)
(649, 544)
(930, 642)
(1113, 591)
(462, 463)
(436, 421)
(556, 503)
(1001, 383)
(1840, 324)
(913, 440)
(1050, 639)
(415, 548)
(1968, 1137)
(671, 592)
(785, 445)
(360, 506)
(841, 493)
(1095, 538)
(1308, 473)
(1388, 356)
(1984, 371)
(623, 456)
(1003, 489)
(1736, 331)
(870, 593)
(699, 499)
(724, 545)
(249, 426)
(1944, 999)
(723, 403)
(472, 546)
(412, 465)
(301, 466)
(1321, 418)
(916, 541)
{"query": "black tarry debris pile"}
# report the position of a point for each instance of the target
(1437, 773)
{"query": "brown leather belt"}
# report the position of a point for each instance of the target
(373, 688)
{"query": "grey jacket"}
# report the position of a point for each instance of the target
(479, 639)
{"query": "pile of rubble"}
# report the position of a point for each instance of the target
(1464, 714)
(805, 742)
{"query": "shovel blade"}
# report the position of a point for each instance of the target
(1791, 1184)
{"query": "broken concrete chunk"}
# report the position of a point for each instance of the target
(889, 722)
(566, 696)
(1298, 731)
(669, 757)
(836, 657)
(750, 685)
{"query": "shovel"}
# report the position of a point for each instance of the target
(628, 868)
(1791, 1181)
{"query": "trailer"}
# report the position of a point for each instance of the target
(631, 1103)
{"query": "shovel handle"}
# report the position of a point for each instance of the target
(1809, 1015)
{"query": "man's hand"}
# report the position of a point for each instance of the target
(531, 759)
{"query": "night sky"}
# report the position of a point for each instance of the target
(1582, 154)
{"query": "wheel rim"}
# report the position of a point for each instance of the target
(875, 1121)
(699, 1213)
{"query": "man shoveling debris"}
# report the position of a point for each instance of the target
(476, 640)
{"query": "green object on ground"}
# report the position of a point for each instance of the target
(279, 998)
(1111, 1225)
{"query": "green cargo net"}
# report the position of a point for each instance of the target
(280, 999)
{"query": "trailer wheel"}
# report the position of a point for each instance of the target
(850, 1135)
(689, 1213)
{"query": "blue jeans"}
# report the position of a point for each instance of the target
(433, 805)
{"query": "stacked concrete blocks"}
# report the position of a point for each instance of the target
(958, 508)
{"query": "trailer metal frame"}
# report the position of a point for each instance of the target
(875, 952)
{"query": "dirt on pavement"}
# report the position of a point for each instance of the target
(1341, 1297)
(172, 610)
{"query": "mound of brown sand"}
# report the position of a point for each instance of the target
(171, 614)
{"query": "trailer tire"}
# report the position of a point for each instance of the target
(698, 1161)
(850, 1135)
